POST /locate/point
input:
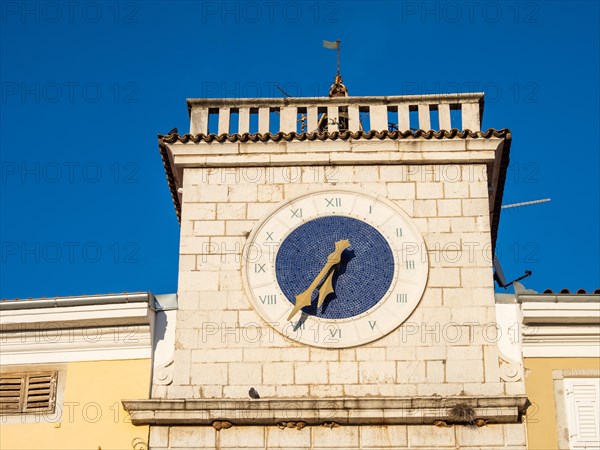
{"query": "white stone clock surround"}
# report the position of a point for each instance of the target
(391, 310)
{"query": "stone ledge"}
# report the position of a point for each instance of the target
(356, 411)
(387, 151)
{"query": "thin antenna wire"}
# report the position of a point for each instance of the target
(282, 91)
(533, 202)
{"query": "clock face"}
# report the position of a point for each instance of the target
(335, 268)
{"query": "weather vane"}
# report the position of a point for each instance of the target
(334, 46)
(337, 88)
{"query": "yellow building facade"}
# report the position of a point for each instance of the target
(91, 413)
(544, 426)
(66, 365)
(559, 340)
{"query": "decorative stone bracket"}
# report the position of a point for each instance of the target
(356, 411)
(163, 375)
(510, 370)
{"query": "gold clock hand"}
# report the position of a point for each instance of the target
(326, 288)
(334, 258)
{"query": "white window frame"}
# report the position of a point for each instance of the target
(566, 414)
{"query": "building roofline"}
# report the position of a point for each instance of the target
(524, 295)
(79, 300)
(559, 298)
(506, 298)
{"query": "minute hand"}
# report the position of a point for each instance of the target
(334, 258)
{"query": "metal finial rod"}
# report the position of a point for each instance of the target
(338, 56)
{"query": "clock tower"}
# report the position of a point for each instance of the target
(335, 278)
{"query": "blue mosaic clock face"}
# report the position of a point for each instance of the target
(364, 274)
(335, 268)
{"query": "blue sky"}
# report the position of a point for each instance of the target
(87, 86)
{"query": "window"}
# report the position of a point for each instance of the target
(582, 397)
(31, 392)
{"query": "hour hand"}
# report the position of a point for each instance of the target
(333, 259)
(302, 300)
(326, 288)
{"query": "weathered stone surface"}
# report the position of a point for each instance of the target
(342, 437)
(383, 437)
(490, 435)
(288, 437)
(429, 437)
(225, 347)
(159, 437)
(193, 437)
(242, 437)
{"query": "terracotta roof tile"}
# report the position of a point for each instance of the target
(567, 291)
(324, 136)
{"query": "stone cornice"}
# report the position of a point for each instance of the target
(561, 341)
(348, 152)
(80, 316)
(561, 328)
(553, 325)
(116, 326)
(348, 411)
(76, 344)
(562, 313)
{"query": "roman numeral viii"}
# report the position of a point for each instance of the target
(268, 299)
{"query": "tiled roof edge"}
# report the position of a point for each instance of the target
(334, 135)
(170, 178)
(566, 291)
(505, 133)
(500, 190)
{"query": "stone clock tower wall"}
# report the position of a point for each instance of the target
(447, 346)
(449, 185)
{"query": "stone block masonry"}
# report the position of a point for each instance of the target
(223, 346)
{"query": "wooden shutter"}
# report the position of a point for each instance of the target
(583, 412)
(11, 392)
(27, 392)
